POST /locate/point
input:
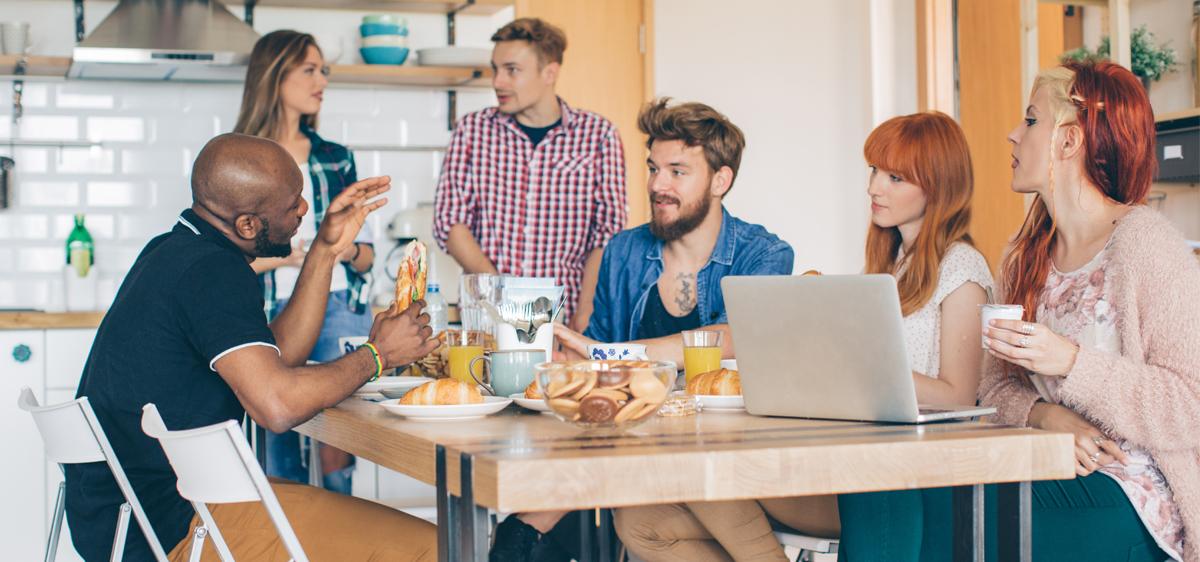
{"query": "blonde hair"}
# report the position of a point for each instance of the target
(274, 55)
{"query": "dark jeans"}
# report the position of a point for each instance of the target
(1081, 519)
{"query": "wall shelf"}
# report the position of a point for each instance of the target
(465, 7)
(424, 76)
(55, 67)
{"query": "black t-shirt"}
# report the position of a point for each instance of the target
(658, 322)
(189, 298)
(536, 134)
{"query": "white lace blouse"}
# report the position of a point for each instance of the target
(962, 264)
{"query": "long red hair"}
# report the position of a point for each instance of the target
(1111, 107)
(930, 151)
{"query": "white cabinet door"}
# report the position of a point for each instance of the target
(22, 474)
(66, 353)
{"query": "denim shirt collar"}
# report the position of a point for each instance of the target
(722, 251)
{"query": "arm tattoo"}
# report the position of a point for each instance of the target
(686, 297)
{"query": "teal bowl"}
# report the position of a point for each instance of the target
(385, 18)
(372, 29)
(384, 55)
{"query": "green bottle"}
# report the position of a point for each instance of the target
(81, 251)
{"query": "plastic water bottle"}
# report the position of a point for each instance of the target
(435, 307)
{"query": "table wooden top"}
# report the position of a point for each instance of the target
(532, 462)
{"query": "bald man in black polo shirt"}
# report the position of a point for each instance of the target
(187, 332)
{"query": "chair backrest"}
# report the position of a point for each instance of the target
(214, 464)
(72, 434)
(67, 433)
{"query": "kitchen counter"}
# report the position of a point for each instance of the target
(49, 320)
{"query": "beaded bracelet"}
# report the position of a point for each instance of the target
(378, 362)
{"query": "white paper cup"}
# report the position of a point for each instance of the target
(616, 351)
(989, 312)
(15, 36)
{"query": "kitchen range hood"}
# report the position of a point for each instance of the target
(186, 40)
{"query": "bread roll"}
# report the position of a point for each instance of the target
(722, 382)
(442, 392)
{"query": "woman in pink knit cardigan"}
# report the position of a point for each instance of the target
(1109, 349)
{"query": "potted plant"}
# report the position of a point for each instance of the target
(1150, 62)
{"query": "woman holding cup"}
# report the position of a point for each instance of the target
(1108, 349)
(284, 89)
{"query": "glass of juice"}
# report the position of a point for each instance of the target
(701, 352)
(465, 346)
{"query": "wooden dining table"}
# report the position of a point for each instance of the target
(521, 461)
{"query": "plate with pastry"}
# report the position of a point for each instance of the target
(718, 391)
(390, 384)
(531, 399)
(445, 400)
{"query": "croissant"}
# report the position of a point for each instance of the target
(411, 276)
(442, 392)
(722, 382)
(533, 392)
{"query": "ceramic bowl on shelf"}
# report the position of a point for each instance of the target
(471, 57)
(385, 41)
(605, 394)
(392, 19)
(384, 55)
(374, 29)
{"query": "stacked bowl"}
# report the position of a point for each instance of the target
(384, 39)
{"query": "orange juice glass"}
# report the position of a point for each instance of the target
(701, 352)
(465, 346)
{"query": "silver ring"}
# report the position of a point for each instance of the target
(1027, 329)
(1095, 457)
(1098, 440)
(1024, 341)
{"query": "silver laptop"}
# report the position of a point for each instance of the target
(829, 347)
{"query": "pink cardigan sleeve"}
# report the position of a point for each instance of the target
(1152, 399)
(1012, 394)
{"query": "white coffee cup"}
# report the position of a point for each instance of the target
(616, 351)
(989, 312)
(14, 37)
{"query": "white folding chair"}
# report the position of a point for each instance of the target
(811, 548)
(72, 435)
(214, 464)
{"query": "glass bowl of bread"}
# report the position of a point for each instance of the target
(605, 394)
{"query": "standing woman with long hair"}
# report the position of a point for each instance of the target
(920, 190)
(285, 85)
(1108, 350)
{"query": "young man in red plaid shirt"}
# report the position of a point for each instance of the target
(532, 187)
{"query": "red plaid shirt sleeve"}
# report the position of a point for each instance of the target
(608, 217)
(454, 201)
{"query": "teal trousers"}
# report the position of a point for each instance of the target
(1087, 519)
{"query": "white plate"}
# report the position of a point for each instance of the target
(454, 56)
(710, 403)
(402, 382)
(490, 405)
(535, 404)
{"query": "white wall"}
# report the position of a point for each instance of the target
(134, 186)
(1171, 23)
(797, 76)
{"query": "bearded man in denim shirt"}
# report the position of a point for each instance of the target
(664, 277)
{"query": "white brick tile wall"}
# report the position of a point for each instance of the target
(45, 259)
(23, 227)
(94, 160)
(48, 194)
(117, 129)
(49, 127)
(100, 226)
(119, 194)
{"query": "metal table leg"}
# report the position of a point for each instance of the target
(605, 533)
(1015, 521)
(473, 519)
(587, 531)
(447, 522)
(969, 526)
